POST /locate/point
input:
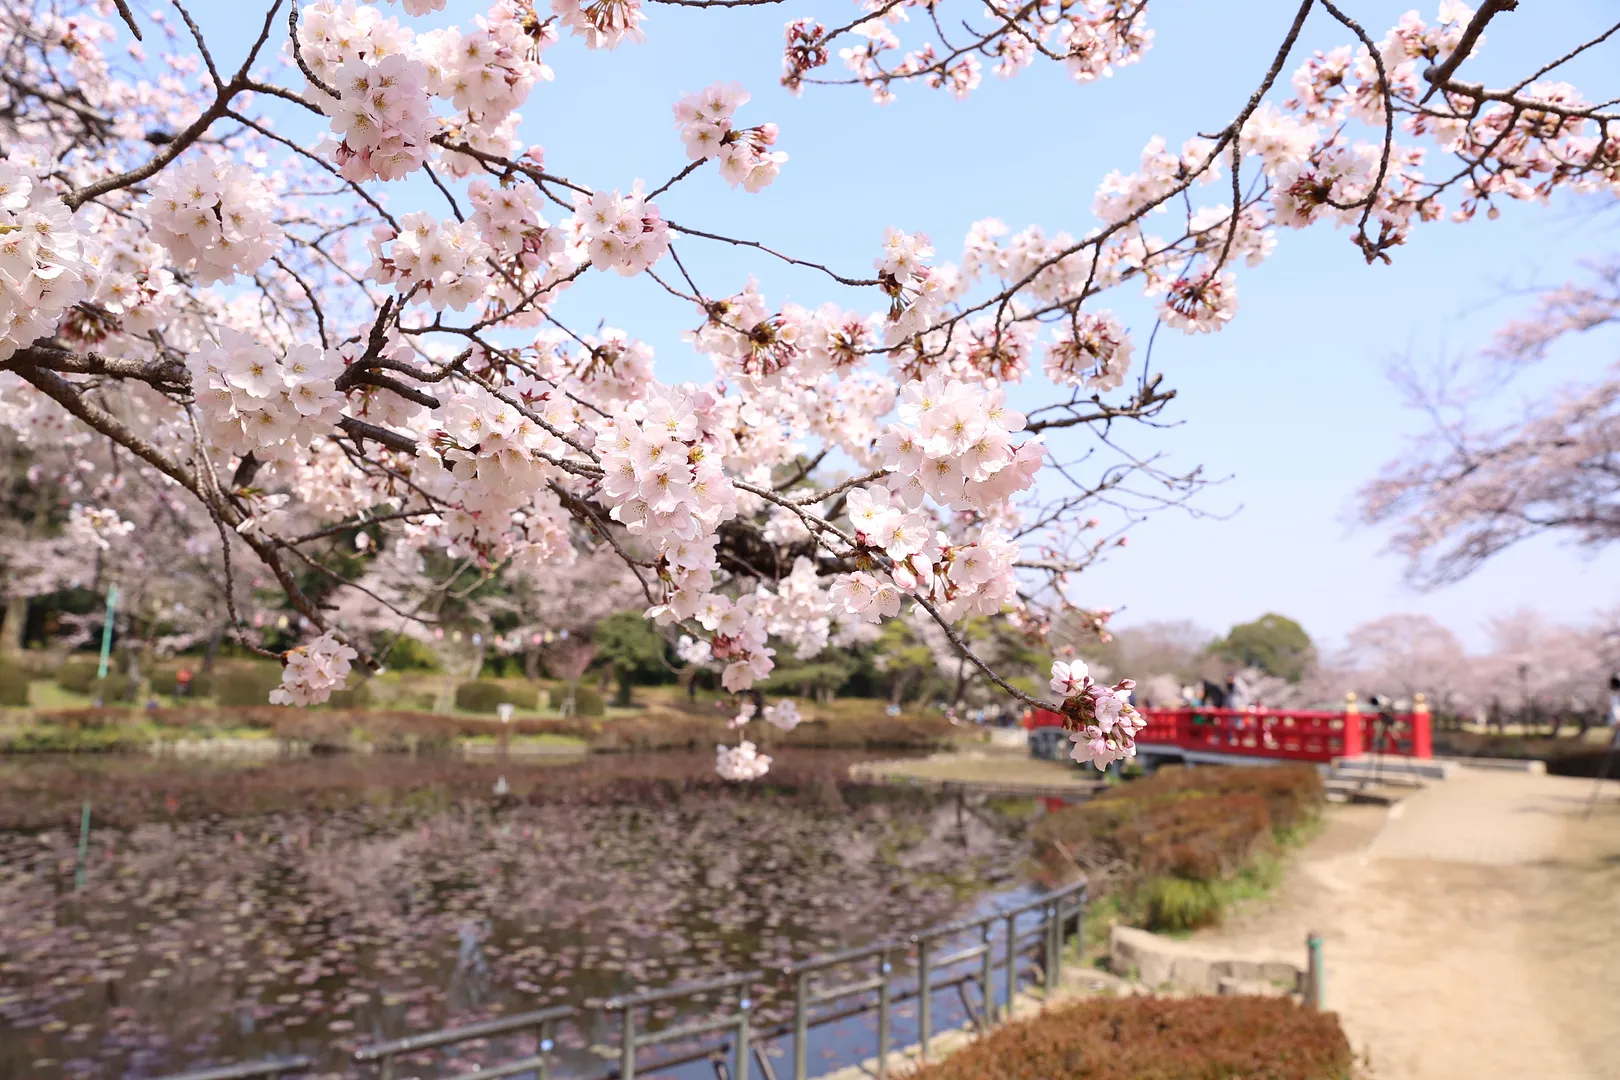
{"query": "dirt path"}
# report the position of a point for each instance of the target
(1473, 931)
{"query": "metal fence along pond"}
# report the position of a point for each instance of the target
(982, 957)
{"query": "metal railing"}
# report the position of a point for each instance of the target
(250, 1071)
(631, 1040)
(971, 952)
(543, 1022)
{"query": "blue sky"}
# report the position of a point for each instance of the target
(1291, 402)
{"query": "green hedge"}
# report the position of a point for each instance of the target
(115, 688)
(166, 681)
(587, 702)
(49, 739)
(485, 695)
(75, 676)
(356, 696)
(1144, 1038)
(242, 685)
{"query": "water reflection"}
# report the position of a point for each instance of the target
(339, 914)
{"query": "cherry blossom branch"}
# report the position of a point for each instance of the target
(181, 142)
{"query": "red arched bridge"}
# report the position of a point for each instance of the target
(1258, 736)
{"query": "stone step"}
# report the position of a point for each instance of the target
(1375, 766)
(1534, 766)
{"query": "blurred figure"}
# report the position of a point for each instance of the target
(1238, 694)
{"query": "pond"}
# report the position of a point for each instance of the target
(235, 912)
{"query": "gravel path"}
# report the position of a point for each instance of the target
(1471, 931)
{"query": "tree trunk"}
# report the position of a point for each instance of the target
(16, 619)
(212, 652)
(531, 663)
(961, 681)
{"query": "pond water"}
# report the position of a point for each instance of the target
(232, 912)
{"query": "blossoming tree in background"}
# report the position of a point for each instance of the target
(242, 315)
(1468, 491)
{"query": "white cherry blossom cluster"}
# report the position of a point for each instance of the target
(499, 139)
(1090, 349)
(744, 761)
(1200, 302)
(98, 527)
(492, 463)
(312, 671)
(621, 232)
(331, 32)
(488, 72)
(382, 116)
(746, 338)
(741, 762)
(783, 715)
(705, 122)
(248, 399)
(615, 368)
(133, 283)
(537, 259)
(43, 270)
(510, 221)
(420, 7)
(441, 263)
(215, 216)
(913, 288)
(737, 631)
(1100, 720)
(798, 613)
(954, 444)
(604, 24)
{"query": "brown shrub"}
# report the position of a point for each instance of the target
(1293, 793)
(1200, 825)
(1202, 839)
(1139, 1038)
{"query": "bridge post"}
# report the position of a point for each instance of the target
(1351, 741)
(1422, 731)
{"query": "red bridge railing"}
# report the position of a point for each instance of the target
(1286, 734)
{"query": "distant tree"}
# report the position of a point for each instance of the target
(903, 658)
(1275, 644)
(1404, 655)
(1179, 649)
(632, 648)
(1544, 672)
(1466, 490)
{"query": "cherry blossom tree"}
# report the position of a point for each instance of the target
(1403, 655)
(1466, 491)
(239, 311)
(1540, 670)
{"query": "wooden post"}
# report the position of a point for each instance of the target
(1351, 741)
(1422, 731)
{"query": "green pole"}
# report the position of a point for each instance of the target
(107, 629)
(1315, 973)
(84, 847)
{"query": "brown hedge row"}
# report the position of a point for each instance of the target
(1142, 1038)
(1162, 843)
